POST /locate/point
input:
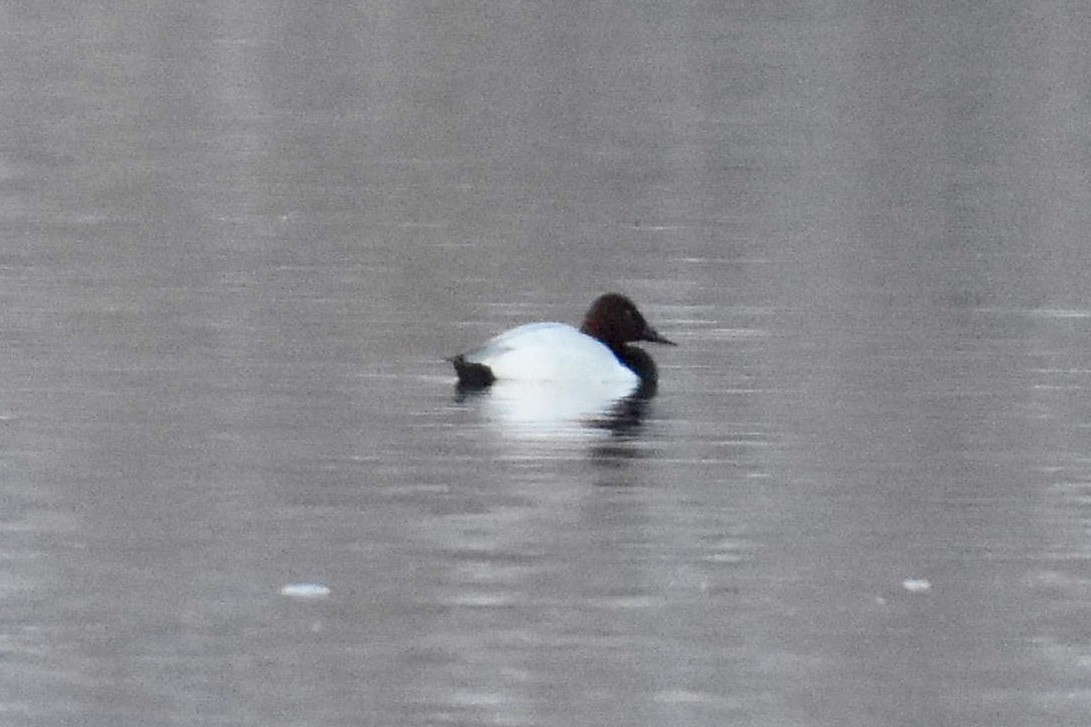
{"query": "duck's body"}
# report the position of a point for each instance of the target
(596, 352)
(543, 352)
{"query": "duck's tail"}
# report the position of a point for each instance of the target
(471, 374)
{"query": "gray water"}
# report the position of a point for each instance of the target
(237, 241)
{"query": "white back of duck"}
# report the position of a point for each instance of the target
(551, 352)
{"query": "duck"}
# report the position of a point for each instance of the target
(599, 351)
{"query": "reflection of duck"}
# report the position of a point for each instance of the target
(545, 410)
(598, 352)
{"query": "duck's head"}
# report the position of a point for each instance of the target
(614, 320)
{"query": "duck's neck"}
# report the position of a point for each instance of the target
(638, 360)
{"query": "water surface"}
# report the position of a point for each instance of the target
(239, 241)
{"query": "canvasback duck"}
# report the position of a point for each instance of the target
(598, 351)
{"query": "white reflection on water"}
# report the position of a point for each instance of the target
(548, 411)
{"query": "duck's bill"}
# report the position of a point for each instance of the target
(654, 337)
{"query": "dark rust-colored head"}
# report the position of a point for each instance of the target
(614, 320)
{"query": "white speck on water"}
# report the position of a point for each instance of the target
(916, 585)
(305, 590)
